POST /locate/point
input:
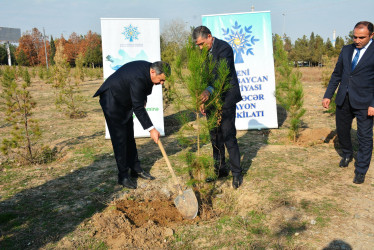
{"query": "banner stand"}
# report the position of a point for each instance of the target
(250, 36)
(130, 39)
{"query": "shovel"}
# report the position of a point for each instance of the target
(186, 201)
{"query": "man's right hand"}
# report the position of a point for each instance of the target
(155, 135)
(326, 103)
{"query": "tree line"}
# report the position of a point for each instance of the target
(31, 49)
(311, 51)
(305, 51)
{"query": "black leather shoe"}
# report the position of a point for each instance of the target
(359, 178)
(133, 174)
(345, 162)
(127, 182)
(237, 180)
(219, 174)
(145, 175)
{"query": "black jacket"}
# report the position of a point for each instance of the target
(130, 85)
(360, 81)
(222, 50)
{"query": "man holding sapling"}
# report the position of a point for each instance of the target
(225, 133)
(122, 94)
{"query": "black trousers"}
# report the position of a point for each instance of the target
(344, 117)
(225, 135)
(121, 129)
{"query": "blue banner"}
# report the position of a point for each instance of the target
(250, 37)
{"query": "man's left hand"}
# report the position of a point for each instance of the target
(370, 111)
(204, 96)
(202, 109)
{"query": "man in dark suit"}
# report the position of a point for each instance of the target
(122, 94)
(354, 74)
(225, 133)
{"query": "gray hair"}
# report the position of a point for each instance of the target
(200, 31)
(161, 67)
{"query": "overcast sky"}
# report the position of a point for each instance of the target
(294, 17)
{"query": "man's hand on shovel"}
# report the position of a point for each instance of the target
(155, 135)
(185, 202)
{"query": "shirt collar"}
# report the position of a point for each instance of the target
(366, 46)
(211, 48)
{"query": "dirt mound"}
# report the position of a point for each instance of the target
(138, 224)
(160, 212)
(314, 136)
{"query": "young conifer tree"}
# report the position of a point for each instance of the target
(79, 69)
(289, 91)
(26, 76)
(68, 99)
(19, 105)
(328, 68)
(200, 72)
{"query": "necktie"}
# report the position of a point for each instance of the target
(355, 59)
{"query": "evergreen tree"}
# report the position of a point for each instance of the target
(349, 38)
(26, 76)
(329, 48)
(329, 64)
(318, 51)
(19, 105)
(68, 99)
(3, 54)
(194, 80)
(94, 56)
(22, 58)
(289, 91)
(53, 51)
(79, 70)
(339, 43)
(302, 49)
(287, 44)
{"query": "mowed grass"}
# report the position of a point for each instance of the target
(289, 190)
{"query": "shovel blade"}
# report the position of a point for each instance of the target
(186, 204)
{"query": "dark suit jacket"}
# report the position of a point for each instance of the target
(130, 85)
(221, 50)
(360, 81)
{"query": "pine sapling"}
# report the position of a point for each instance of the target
(326, 75)
(289, 91)
(79, 70)
(200, 72)
(68, 99)
(19, 105)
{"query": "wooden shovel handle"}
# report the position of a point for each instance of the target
(169, 166)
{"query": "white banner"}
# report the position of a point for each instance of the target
(249, 34)
(129, 39)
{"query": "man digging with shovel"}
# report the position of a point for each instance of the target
(122, 94)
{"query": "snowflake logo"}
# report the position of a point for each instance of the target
(240, 41)
(131, 33)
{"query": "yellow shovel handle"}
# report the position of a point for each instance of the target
(169, 166)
